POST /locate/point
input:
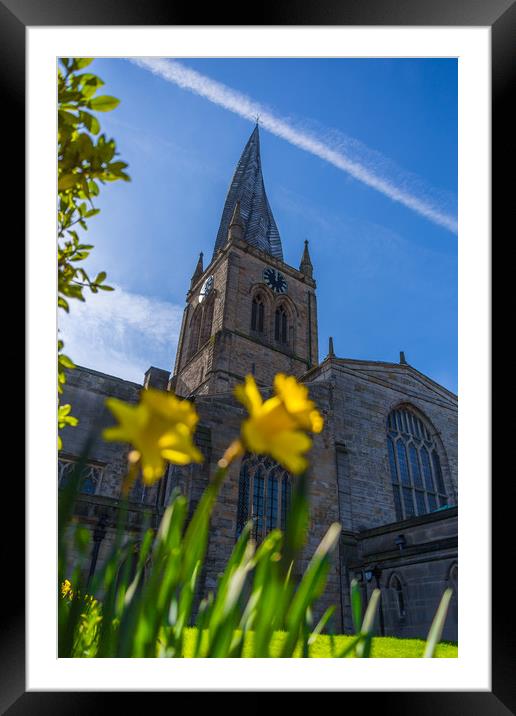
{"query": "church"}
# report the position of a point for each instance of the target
(384, 466)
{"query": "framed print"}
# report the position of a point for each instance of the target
(251, 314)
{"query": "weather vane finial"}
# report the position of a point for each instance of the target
(257, 119)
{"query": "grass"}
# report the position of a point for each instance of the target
(321, 648)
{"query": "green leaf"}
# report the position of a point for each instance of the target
(91, 212)
(66, 362)
(82, 62)
(90, 122)
(92, 186)
(116, 167)
(436, 630)
(63, 410)
(104, 103)
(67, 182)
(356, 605)
(350, 647)
(364, 647)
(310, 588)
(321, 624)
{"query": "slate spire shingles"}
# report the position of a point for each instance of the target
(247, 187)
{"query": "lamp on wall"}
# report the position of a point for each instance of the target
(376, 572)
(401, 542)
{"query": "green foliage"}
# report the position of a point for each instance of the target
(86, 160)
(436, 629)
(259, 608)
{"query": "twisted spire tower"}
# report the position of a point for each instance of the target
(247, 188)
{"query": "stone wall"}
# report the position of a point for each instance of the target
(362, 394)
(425, 565)
(233, 349)
(86, 390)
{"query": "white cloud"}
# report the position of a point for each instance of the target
(121, 333)
(346, 154)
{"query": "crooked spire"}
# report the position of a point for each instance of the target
(247, 188)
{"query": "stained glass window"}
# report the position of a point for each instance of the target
(91, 475)
(263, 495)
(416, 474)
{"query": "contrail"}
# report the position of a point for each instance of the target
(218, 93)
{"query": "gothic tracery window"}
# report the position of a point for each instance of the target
(416, 475)
(263, 495)
(257, 314)
(91, 475)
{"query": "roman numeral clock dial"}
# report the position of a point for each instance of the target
(275, 280)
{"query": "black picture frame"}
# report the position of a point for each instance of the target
(500, 16)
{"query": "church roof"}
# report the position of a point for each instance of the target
(247, 187)
(398, 376)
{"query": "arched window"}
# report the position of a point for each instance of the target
(263, 495)
(397, 587)
(281, 325)
(207, 320)
(257, 314)
(195, 329)
(90, 478)
(416, 474)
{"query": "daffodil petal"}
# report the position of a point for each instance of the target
(160, 427)
(249, 395)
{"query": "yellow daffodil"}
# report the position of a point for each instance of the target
(294, 395)
(160, 428)
(66, 589)
(278, 426)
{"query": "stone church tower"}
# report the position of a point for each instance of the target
(385, 466)
(247, 311)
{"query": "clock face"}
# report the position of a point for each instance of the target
(206, 288)
(275, 280)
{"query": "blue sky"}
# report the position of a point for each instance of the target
(386, 270)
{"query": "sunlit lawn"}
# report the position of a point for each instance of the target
(383, 647)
